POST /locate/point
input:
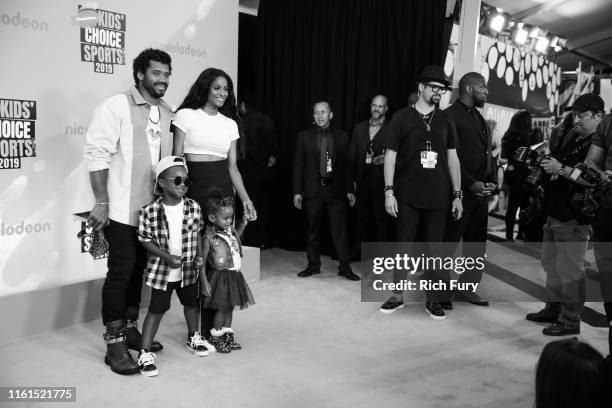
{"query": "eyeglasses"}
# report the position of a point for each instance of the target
(437, 88)
(178, 180)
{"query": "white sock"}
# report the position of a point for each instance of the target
(227, 329)
(216, 333)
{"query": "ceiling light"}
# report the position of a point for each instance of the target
(520, 35)
(497, 23)
(554, 41)
(542, 44)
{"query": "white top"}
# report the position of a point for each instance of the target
(235, 254)
(154, 134)
(206, 134)
(174, 215)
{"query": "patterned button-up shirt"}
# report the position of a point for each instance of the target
(153, 227)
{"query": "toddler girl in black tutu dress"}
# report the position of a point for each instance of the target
(223, 286)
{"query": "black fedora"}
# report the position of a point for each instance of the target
(433, 73)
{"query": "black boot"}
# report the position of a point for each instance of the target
(134, 337)
(117, 355)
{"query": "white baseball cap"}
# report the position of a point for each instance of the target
(164, 164)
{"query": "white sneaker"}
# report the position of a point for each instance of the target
(146, 361)
(198, 345)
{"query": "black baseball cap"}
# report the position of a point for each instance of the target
(587, 102)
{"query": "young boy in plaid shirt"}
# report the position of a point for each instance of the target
(169, 229)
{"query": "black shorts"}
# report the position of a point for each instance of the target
(160, 299)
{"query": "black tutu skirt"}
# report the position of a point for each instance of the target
(229, 290)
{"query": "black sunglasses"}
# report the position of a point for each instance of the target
(437, 88)
(178, 180)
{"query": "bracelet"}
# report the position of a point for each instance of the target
(458, 194)
(101, 203)
(389, 195)
(247, 202)
(387, 188)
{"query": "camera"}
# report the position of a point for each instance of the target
(585, 174)
(526, 155)
(588, 201)
(533, 159)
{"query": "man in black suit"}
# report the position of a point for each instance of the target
(478, 176)
(321, 183)
(257, 160)
(367, 157)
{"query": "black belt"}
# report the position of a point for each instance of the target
(325, 181)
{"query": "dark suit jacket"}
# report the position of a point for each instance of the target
(306, 178)
(473, 147)
(359, 147)
(260, 144)
(261, 141)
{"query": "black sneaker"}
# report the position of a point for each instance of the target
(545, 315)
(391, 305)
(560, 329)
(146, 362)
(197, 345)
(447, 305)
(231, 342)
(435, 310)
(219, 343)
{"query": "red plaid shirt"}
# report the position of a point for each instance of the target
(153, 227)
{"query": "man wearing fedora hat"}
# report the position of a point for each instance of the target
(422, 178)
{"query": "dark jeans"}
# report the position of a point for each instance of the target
(425, 226)
(602, 243)
(518, 197)
(563, 249)
(127, 260)
(472, 228)
(335, 207)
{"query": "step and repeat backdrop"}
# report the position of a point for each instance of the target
(59, 60)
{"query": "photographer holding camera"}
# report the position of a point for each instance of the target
(567, 229)
(600, 158)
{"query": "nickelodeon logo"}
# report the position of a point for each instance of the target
(23, 228)
(19, 21)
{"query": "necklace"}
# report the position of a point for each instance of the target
(211, 113)
(427, 124)
(154, 113)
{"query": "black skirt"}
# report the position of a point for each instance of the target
(205, 175)
(229, 289)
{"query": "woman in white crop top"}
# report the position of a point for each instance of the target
(206, 131)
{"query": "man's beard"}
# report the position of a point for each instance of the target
(150, 87)
(434, 100)
(479, 103)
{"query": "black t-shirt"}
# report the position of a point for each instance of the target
(559, 191)
(408, 136)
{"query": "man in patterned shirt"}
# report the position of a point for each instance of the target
(169, 229)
